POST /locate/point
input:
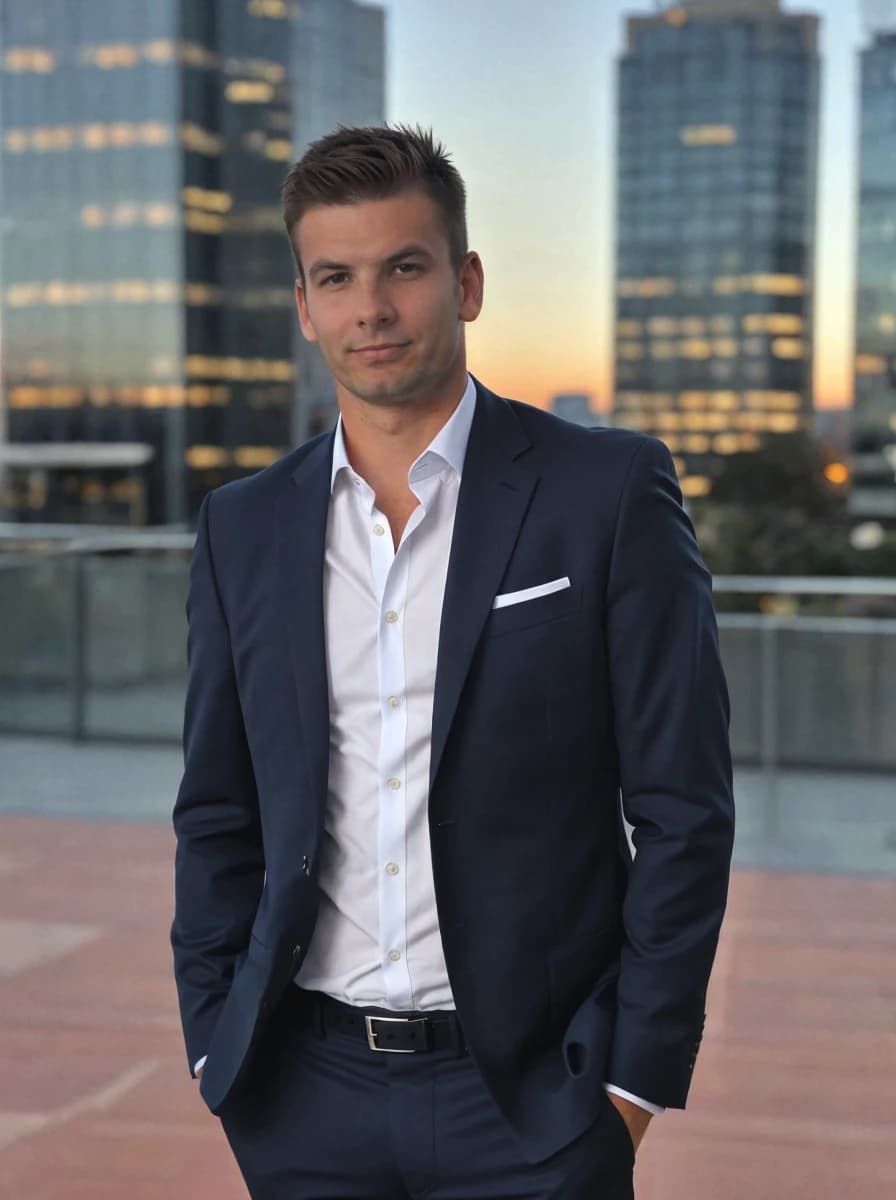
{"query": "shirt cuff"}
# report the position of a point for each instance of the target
(199, 1065)
(656, 1109)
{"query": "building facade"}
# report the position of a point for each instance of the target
(340, 79)
(716, 195)
(575, 407)
(873, 493)
(147, 290)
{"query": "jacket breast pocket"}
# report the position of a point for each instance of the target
(539, 611)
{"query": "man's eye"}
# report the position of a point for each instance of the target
(338, 277)
(407, 268)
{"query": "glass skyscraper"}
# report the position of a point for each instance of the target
(874, 417)
(147, 289)
(340, 79)
(717, 150)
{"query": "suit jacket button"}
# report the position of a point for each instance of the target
(297, 954)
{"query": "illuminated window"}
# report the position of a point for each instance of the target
(708, 135)
(629, 329)
(773, 400)
(160, 214)
(886, 322)
(197, 197)
(155, 133)
(788, 348)
(726, 443)
(29, 58)
(725, 347)
(198, 366)
(870, 364)
(195, 55)
(696, 348)
(630, 350)
(203, 222)
(159, 51)
(777, 285)
(256, 457)
(696, 485)
(94, 137)
(201, 457)
(16, 141)
(275, 10)
(773, 323)
(646, 288)
(695, 443)
(204, 294)
(202, 141)
(249, 91)
(278, 149)
(256, 68)
(663, 326)
(109, 58)
(726, 285)
(663, 350)
(693, 326)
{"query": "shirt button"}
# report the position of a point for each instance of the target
(391, 868)
(379, 530)
(393, 702)
(394, 955)
(394, 784)
(391, 616)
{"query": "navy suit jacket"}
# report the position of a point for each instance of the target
(571, 963)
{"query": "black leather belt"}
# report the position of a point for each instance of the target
(387, 1032)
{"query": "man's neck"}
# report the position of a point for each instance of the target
(382, 444)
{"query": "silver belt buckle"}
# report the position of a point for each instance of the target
(372, 1035)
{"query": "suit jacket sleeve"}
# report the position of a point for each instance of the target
(671, 719)
(219, 863)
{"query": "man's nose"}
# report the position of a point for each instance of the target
(375, 308)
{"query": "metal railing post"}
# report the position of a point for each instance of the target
(78, 675)
(769, 714)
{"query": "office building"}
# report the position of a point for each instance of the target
(575, 407)
(147, 287)
(874, 418)
(339, 79)
(717, 146)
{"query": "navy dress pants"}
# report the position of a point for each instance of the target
(321, 1115)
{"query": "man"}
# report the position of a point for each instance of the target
(428, 650)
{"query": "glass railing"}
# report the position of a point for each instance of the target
(93, 631)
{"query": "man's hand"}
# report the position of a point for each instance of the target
(636, 1118)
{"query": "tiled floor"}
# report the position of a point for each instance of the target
(793, 1096)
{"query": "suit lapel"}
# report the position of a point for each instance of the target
(301, 546)
(495, 491)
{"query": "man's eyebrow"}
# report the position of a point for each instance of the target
(410, 251)
(322, 264)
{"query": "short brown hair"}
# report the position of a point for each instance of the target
(373, 163)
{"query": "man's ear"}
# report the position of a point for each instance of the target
(302, 309)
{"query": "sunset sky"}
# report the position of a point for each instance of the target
(523, 95)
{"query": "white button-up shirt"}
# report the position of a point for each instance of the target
(377, 941)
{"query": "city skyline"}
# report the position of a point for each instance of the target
(528, 111)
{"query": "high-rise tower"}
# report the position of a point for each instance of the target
(874, 418)
(717, 138)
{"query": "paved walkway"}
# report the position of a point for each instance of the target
(793, 1095)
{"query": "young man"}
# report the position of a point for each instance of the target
(428, 651)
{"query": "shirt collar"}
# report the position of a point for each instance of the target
(448, 447)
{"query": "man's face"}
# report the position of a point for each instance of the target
(382, 299)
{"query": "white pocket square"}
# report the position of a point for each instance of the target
(532, 593)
